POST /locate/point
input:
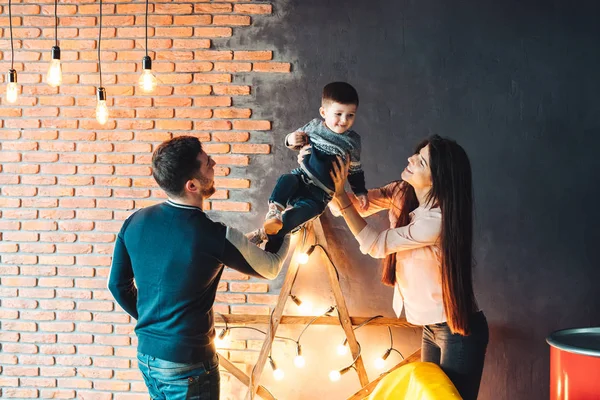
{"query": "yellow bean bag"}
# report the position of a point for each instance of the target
(416, 381)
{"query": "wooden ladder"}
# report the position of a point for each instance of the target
(276, 318)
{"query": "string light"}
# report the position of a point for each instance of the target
(12, 88)
(278, 374)
(342, 349)
(54, 75)
(101, 107)
(305, 306)
(380, 362)
(303, 257)
(147, 82)
(223, 338)
(299, 361)
(335, 375)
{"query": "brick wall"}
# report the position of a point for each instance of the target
(67, 183)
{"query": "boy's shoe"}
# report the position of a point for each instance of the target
(257, 237)
(273, 221)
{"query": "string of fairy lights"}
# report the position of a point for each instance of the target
(147, 82)
(305, 307)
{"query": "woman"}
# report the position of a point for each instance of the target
(428, 254)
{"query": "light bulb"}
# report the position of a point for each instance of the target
(12, 92)
(380, 362)
(342, 349)
(335, 376)
(302, 258)
(101, 108)
(147, 81)
(54, 75)
(278, 374)
(102, 112)
(299, 361)
(305, 307)
(223, 338)
(12, 89)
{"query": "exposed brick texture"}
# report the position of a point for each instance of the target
(67, 183)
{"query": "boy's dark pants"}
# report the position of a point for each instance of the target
(307, 201)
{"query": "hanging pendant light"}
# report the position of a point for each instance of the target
(12, 88)
(147, 82)
(101, 107)
(54, 75)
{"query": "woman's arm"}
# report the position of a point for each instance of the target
(339, 173)
(423, 231)
(379, 199)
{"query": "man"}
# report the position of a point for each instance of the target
(176, 255)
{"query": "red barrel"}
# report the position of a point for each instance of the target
(575, 364)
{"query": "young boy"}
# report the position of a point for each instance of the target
(307, 190)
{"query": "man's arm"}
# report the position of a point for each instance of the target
(120, 281)
(247, 258)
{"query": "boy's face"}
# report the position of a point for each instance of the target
(338, 117)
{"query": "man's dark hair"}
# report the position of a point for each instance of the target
(339, 92)
(175, 162)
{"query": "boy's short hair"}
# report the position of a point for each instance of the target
(339, 92)
(175, 162)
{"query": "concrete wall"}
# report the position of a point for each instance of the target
(516, 83)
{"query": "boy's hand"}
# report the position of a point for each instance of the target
(298, 139)
(363, 200)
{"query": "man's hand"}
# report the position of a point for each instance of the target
(298, 139)
(303, 153)
(363, 200)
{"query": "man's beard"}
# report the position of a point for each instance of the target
(207, 188)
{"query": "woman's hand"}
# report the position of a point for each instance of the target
(339, 173)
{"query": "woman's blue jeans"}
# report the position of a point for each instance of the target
(460, 357)
(167, 380)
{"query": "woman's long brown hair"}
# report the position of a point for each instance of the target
(452, 191)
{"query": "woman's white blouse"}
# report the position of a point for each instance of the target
(418, 286)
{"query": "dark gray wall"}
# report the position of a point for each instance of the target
(516, 83)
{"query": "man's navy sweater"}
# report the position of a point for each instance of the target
(176, 255)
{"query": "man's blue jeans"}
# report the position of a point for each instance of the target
(460, 357)
(168, 380)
